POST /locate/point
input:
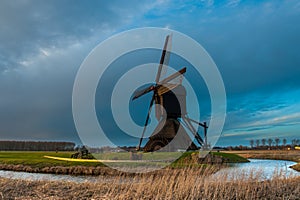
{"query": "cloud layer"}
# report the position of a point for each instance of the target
(254, 44)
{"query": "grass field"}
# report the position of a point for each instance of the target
(36, 162)
(145, 156)
(37, 159)
(170, 183)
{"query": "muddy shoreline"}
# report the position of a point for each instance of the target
(103, 171)
(71, 170)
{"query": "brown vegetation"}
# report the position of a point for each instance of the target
(296, 167)
(71, 170)
(172, 184)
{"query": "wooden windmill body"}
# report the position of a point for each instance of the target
(170, 110)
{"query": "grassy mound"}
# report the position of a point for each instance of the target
(231, 158)
(296, 167)
(192, 158)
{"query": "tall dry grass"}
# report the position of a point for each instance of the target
(188, 183)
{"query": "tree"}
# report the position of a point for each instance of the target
(257, 143)
(270, 142)
(251, 143)
(36, 146)
(263, 142)
(284, 141)
(293, 142)
(277, 141)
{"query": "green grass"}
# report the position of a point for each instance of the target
(232, 158)
(146, 156)
(188, 158)
(36, 159)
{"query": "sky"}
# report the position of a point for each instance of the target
(255, 45)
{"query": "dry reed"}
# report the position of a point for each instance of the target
(188, 183)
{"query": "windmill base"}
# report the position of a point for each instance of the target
(169, 136)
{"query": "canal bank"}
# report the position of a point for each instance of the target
(39, 162)
(172, 184)
(256, 169)
(290, 155)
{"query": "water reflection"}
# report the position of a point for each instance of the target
(50, 177)
(257, 169)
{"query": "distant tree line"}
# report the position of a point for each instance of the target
(36, 146)
(271, 143)
(233, 148)
(264, 144)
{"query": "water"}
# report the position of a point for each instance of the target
(256, 169)
(48, 177)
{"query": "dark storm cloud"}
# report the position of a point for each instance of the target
(27, 26)
(37, 97)
(42, 44)
(42, 47)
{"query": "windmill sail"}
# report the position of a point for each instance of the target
(165, 54)
(141, 92)
(164, 60)
(169, 96)
(161, 72)
(173, 76)
(165, 64)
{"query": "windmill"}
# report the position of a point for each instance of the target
(169, 96)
